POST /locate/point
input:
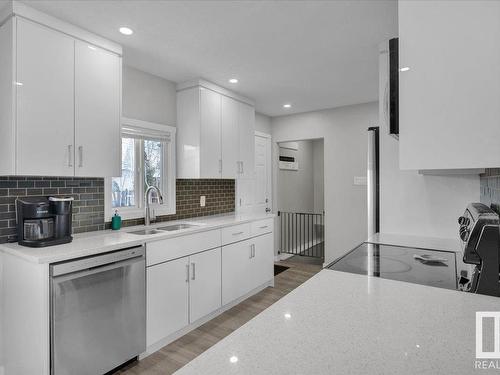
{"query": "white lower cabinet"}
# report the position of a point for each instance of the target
(236, 270)
(204, 284)
(167, 299)
(246, 265)
(186, 283)
(263, 260)
(181, 291)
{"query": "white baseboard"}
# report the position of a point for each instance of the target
(174, 336)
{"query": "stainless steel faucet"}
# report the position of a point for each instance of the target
(153, 195)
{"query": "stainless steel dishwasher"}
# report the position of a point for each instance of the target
(98, 312)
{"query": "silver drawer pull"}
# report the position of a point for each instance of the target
(263, 227)
(237, 233)
(187, 273)
(193, 265)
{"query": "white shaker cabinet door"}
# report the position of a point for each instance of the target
(45, 101)
(246, 132)
(263, 259)
(167, 299)
(210, 138)
(97, 111)
(236, 270)
(230, 139)
(204, 284)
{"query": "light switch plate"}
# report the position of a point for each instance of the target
(360, 180)
(202, 201)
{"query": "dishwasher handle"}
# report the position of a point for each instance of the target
(92, 271)
(112, 260)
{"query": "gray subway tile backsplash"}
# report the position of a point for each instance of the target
(88, 207)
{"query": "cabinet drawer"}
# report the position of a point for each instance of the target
(173, 248)
(262, 227)
(235, 233)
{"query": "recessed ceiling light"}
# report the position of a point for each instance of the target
(126, 31)
(288, 316)
(405, 69)
(233, 80)
(233, 359)
(287, 106)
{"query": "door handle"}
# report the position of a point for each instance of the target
(70, 159)
(193, 266)
(80, 155)
(187, 273)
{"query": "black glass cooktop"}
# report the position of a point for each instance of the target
(419, 266)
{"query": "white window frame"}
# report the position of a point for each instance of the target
(169, 173)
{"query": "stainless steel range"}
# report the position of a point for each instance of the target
(477, 272)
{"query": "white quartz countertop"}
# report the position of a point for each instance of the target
(92, 243)
(432, 243)
(342, 323)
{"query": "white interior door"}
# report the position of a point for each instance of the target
(204, 284)
(45, 104)
(97, 111)
(262, 192)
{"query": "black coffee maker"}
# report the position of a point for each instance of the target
(44, 222)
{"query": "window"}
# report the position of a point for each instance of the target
(147, 160)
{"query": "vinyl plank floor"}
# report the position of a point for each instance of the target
(178, 353)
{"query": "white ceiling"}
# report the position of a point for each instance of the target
(312, 54)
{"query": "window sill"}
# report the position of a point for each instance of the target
(138, 213)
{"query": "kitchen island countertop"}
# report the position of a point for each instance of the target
(342, 323)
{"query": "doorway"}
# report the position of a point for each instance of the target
(300, 199)
(263, 173)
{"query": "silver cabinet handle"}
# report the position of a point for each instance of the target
(263, 227)
(80, 155)
(251, 252)
(70, 158)
(237, 233)
(193, 266)
(220, 165)
(187, 273)
(241, 167)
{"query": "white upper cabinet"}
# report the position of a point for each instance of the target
(97, 111)
(230, 138)
(63, 88)
(215, 132)
(449, 112)
(45, 101)
(210, 134)
(246, 140)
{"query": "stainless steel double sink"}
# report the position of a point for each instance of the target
(168, 228)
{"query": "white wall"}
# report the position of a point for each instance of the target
(262, 123)
(149, 98)
(411, 203)
(318, 175)
(344, 131)
(296, 188)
